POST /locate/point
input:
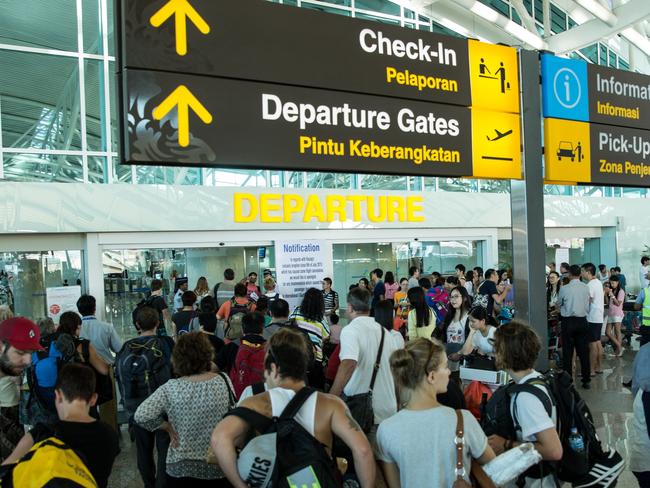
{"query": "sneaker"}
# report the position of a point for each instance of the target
(604, 472)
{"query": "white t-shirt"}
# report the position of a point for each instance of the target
(484, 344)
(596, 302)
(9, 391)
(421, 443)
(360, 343)
(532, 418)
(469, 286)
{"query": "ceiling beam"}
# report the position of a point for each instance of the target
(525, 17)
(595, 30)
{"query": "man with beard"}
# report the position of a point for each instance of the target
(19, 337)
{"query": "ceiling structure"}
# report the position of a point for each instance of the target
(623, 24)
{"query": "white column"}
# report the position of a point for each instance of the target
(95, 272)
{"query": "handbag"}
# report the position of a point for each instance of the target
(361, 405)
(478, 478)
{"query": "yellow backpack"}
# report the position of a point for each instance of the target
(49, 464)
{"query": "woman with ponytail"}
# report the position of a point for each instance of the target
(421, 373)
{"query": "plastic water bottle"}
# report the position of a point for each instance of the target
(576, 442)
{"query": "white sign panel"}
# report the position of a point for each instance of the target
(61, 299)
(301, 265)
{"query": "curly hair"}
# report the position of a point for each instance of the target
(516, 346)
(313, 305)
(192, 354)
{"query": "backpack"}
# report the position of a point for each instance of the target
(234, 329)
(141, 367)
(572, 412)
(48, 463)
(249, 366)
(58, 349)
(439, 301)
(191, 326)
(145, 302)
(285, 454)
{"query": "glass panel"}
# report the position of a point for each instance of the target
(164, 175)
(39, 23)
(330, 10)
(294, 179)
(416, 183)
(377, 19)
(457, 184)
(591, 53)
(505, 254)
(494, 186)
(235, 177)
(97, 169)
(558, 190)
(92, 23)
(381, 6)
(40, 101)
(622, 64)
(127, 280)
(111, 37)
(328, 180)
(43, 167)
(27, 274)
(115, 127)
(635, 192)
(558, 20)
(383, 182)
(430, 183)
(94, 74)
(121, 172)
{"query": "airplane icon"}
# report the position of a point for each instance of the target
(500, 135)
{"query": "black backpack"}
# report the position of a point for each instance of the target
(571, 410)
(297, 451)
(145, 302)
(142, 366)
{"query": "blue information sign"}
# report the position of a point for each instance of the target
(565, 92)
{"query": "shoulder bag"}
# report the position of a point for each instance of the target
(361, 405)
(477, 476)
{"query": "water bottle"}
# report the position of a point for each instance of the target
(576, 442)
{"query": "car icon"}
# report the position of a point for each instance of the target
(565, 150)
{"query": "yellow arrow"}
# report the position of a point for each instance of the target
(184, 99)
(182, 10)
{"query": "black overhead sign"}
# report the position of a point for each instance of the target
(261, 41)
(249, 125)
(619, 97)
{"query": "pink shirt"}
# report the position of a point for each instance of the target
(616, 310)
(391, 290)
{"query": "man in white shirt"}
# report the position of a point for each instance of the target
(182, 284)
(360, 341)
(595, 315)
(643, 272)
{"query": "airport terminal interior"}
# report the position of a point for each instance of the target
(151, 145)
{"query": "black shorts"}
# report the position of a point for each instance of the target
(595, 331)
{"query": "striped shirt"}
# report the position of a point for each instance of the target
(317, 331)
(331, 299)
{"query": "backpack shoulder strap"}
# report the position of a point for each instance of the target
(255, 419)
(378, 360)
(258, 388)
(296, 403)
(529, 387)
(85, 350)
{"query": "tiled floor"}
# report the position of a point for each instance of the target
(609, 401)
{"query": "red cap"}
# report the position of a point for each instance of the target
(21, 333)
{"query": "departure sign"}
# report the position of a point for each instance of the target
(249, 83)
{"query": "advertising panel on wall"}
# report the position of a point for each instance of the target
(301, 265)
(60, 299)
(249, 83)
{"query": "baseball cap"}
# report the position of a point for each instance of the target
(21, 333)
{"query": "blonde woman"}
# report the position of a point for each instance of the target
(202, 290)
(421, 373)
